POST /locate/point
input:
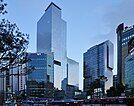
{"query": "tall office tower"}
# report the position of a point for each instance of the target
(72, 72)
(51, 37)
(129, 69)
(40, 80)
(17, 80)
(98, 64)
(124, 34)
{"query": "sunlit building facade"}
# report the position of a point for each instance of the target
(98, 64)
(124, 34)
(72, 72)
(51, 37)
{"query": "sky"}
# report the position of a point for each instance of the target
(89, 22)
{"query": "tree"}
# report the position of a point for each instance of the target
(13, 43)
(13, 46)
(2, 7)
(112, 92)
(96, 84)
(120, 88)
(91, 88)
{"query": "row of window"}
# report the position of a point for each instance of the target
(39, 68)
(124, 43)
(39, 59)
(127, 38)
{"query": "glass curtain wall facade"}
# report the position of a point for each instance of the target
(124, 34)
(98, 65)
(42, 77)
(129, 75)
(129, 69)
(51, 37)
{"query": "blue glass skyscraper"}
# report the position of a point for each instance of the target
(129, 69)
(51, 37)
(41, 75)
(98, 63)
(43, 67)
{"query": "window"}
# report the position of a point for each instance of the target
(57, 62)
(49, 65)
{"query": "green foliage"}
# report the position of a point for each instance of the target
(13, 43)
(2, 7)
(96, 84)
(13, 46)
(93, 85)
(112, 92)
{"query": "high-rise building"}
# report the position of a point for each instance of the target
(72, 72)
(124, 34)
(51, 37)
(18, 78)
(72, 76)
(131, 46)
(129, 69)
(40, 80)
(98, 64)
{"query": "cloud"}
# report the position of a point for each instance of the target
(121, 12)
(116, 13)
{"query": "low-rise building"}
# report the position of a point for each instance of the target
(40, 82)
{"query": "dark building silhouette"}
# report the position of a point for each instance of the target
(124, 34)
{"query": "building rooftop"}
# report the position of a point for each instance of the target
(123, 28)
(51, 5)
